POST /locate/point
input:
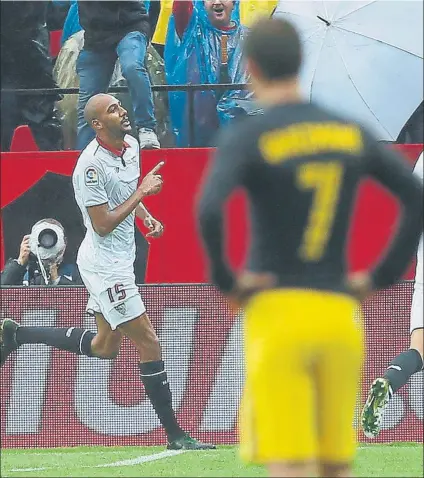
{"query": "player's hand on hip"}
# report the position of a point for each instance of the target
(152, 182)
(360, 285)
(156, 228)
(248, 284)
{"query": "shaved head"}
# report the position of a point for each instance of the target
(97, 105)
(107, 117)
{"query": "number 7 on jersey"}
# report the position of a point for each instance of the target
(325, 180)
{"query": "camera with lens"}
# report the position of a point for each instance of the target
(47, 244)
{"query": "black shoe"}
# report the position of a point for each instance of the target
(186, 442)
(8, 342)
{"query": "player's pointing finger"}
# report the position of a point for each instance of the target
(157, 167)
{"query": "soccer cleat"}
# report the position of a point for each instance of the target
(372, 413)
(148, 139)
(8, 342)
(186, 442)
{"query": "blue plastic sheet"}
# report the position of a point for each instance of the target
(72, 24)
(195, 59)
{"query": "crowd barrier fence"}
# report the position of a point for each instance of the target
(189, 89)
(45, 190)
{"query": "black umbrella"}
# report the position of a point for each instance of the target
(53, 196)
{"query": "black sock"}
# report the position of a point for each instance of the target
(156, 384)
(70, 339)
(402, 367)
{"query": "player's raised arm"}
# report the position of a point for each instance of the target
(389, 169)
(105, 220)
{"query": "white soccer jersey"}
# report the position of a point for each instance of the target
(418, 170)
(103, 176)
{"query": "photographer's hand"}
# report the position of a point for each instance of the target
(54, 275)
(24, 251)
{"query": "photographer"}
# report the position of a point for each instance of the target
(40, 257)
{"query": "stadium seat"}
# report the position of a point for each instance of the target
(23, 140)
(55, 37)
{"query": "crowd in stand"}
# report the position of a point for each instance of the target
(125, 43)
(134, 44)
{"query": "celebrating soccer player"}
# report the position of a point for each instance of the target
(105, 183)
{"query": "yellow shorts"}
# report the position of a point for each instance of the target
(303, 352)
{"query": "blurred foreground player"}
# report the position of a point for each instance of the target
(105, 184)
(406, 363)
(300, 166)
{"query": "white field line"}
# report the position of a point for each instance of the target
(70, 452)
(142, 459)
(21, 470)
(130, 462)
(382, 445)
(147, 458)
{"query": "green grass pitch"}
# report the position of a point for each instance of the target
(404, 459)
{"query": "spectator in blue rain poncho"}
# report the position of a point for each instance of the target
(72, 24)
(204, 46)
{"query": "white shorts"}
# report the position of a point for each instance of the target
(417, 320)
(115, 296)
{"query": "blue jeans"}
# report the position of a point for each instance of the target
(95, 69)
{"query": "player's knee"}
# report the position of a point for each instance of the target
(335, 470)
(131, 69)
(107, 353)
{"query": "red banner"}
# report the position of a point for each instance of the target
(53, 398)
(178, 256)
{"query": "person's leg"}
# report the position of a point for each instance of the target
(417, 343)
(154, 377)
(338, 470)
(107, 342)
(409, 362)
(404, 365)
(338, 373)
(293, 470)
(131, 51)
(104, 344)
(399, 371)
(94, 70)
(277, 412)
(152, 372)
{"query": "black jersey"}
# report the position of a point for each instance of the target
(301, 166)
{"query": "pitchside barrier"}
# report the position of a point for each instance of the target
(52, 398)
(45, 190)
